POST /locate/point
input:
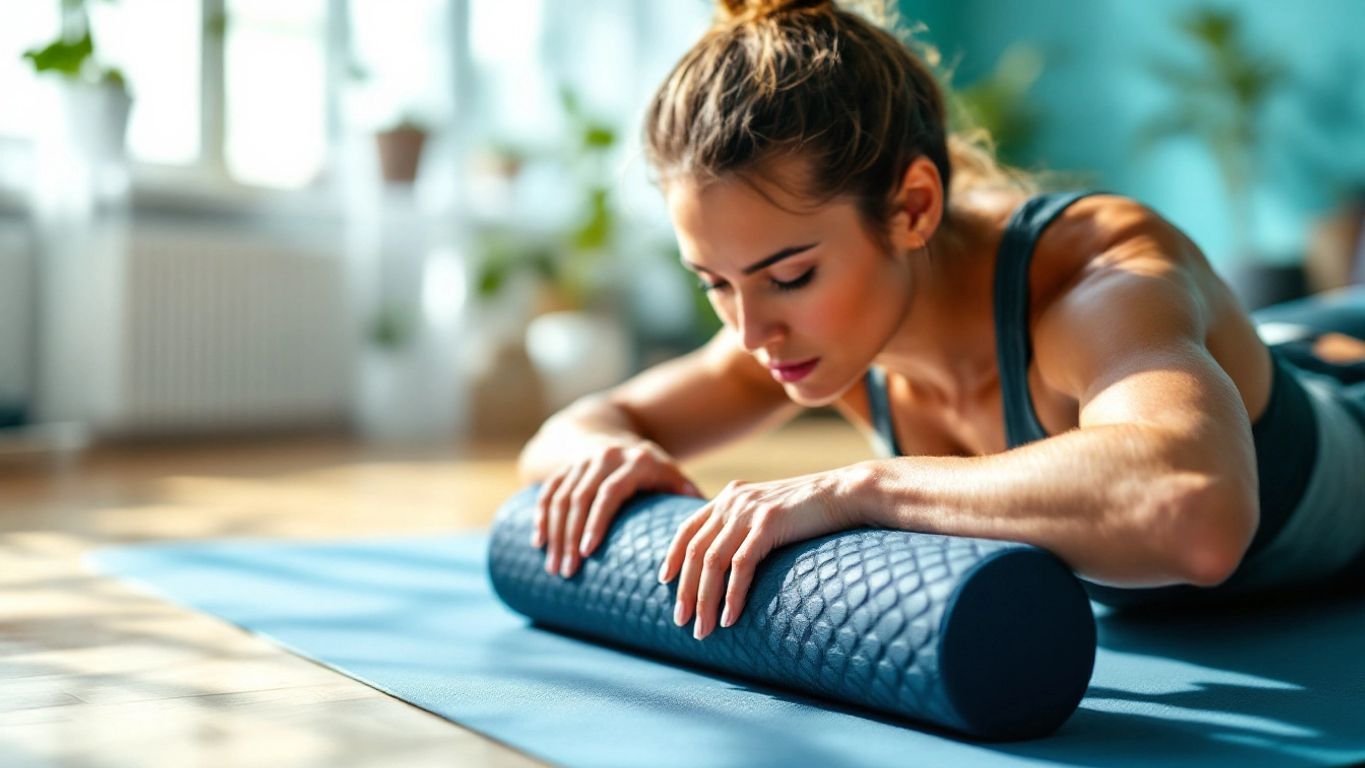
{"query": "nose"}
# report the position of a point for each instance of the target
(757, 329)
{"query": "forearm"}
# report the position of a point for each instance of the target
(586, 424)
(1108, 501)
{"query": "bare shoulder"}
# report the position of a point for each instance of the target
(1112, 268)
(701, 400)
(1119, 285)
(1102, 232)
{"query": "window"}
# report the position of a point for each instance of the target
(26, 25)
(157, 45)
(275, 73)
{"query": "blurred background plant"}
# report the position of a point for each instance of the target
(1218, 100)
(999, 104)
(568, 263)
(72, 54)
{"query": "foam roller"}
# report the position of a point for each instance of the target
(993, 640)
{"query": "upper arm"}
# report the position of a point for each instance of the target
(700, 400)
(1127, 341)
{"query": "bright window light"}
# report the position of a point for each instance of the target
(157, 45)
(276, 72)
(23, 25)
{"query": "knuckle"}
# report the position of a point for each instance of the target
(742, 559)
(713, 559)
(693, 550)
(610, 488)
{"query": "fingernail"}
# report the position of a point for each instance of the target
(585, 546)
(550, 566)
(566, 568)
(535, 539)
(678, 614)
(725, 617)
(663, 573)
(697, 634)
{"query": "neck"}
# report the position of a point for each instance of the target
(946, 343)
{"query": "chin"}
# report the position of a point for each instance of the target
(818, 395)
(810, 397)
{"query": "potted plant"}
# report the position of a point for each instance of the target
(574, 336)
(400, 149)
(1219, 103)
(95, 95)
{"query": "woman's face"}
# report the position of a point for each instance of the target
(811, 287)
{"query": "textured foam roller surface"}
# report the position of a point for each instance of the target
(994, 640)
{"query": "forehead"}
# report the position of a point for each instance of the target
(734, 219)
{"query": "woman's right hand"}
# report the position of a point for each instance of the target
(577, 503)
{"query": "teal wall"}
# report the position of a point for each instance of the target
(1095, 91)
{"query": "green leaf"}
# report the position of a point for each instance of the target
(392, 326)
(492, 276)
(595, 230)
(599, 136)
(63, 57)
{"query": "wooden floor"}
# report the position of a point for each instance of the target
(93, 673)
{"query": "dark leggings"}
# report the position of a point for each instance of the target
(1340, 312)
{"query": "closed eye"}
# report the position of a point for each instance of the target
(790, 285)
(799, 282)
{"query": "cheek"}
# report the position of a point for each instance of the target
(834, 309)
(724, 309)
(850, 296)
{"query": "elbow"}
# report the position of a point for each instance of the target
(1211, 521)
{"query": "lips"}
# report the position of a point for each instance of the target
(790, 372)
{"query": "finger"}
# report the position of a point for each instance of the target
(559, 508)
(579, 502)
(673, 557)
(691, 568)
(618, 487)
(711, 583)
(686, 487)
(742, 565)
(543, 497)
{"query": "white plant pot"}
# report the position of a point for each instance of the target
(93, 129)
(576, 353)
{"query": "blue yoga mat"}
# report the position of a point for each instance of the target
(416, 617)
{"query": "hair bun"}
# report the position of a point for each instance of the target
(749, 10)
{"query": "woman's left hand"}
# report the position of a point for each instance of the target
(738, 528)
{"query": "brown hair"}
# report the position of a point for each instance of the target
(809, 79)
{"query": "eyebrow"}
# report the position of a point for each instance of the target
(764, 262)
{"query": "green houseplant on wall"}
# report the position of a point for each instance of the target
(1219, 102)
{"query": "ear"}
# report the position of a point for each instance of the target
(917, 208)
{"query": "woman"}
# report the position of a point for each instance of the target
(1063, 370)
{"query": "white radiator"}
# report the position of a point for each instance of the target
(216, 329)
